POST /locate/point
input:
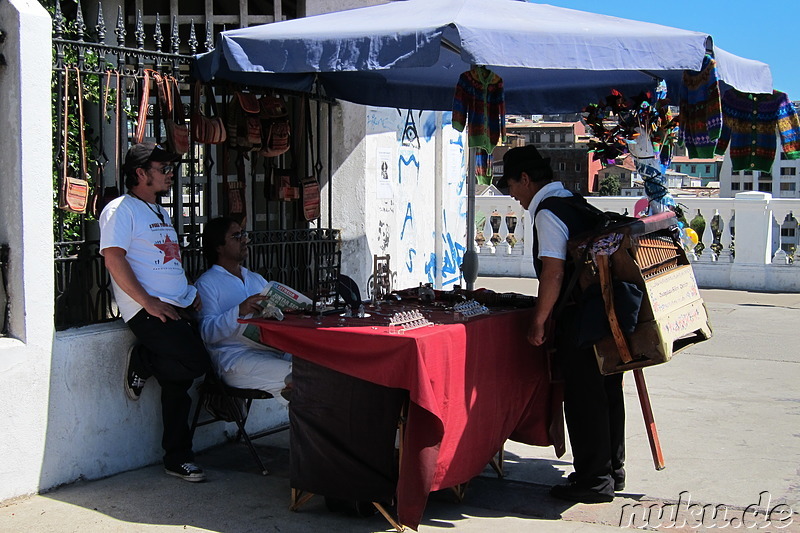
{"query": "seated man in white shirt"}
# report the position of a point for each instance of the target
(229, 292)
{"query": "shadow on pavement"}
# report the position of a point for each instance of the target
(236, 498)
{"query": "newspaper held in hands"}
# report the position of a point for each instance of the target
(284, 297)
(277, 299)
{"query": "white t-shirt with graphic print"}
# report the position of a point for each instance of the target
(152, 250)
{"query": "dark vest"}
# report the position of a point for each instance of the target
(578, 220)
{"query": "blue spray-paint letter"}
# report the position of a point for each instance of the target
(410, 263)
(430, 269)
(409, 218)
(406, 162)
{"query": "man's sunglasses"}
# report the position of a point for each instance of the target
(166, 169)
(239, 235)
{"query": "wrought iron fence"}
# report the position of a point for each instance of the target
(5, 303)
(284, 247)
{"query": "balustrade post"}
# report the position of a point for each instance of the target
(783, 217)
(699, 223)
(780, 257)
(754, 220)
(753, 240)
(483, 229)
(494, 227)
(717, 229)
(726, 239)
(512, 220)
(706, 253)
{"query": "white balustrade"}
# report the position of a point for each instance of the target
(785, 227)
(743, 255)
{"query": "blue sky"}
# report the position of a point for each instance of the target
(766, 30)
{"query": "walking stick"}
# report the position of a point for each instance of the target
(625, 356)
(649, 422)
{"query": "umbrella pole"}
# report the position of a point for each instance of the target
(469, 264)
(438, 245)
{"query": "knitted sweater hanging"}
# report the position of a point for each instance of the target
(701, 112)
(479, 102)
(749, 124)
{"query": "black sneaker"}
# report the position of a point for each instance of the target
(575, 493)
(619, 484)
(188, 471)
(134, 383)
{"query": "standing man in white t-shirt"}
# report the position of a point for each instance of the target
(141, 251)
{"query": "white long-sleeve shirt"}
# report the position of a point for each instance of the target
(221, 293)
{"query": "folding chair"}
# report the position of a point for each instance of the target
(228, 404)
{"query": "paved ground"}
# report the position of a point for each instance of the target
(728, 413)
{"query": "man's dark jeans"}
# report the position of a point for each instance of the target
(594, 409)
(175, 355)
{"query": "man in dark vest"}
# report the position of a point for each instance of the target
(593, 404)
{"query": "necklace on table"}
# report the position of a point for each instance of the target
(157, 212)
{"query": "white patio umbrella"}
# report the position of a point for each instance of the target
(410, 53)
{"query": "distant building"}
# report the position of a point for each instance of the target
(630, 182)
(565, 143)
(705, 169)
(782, 182)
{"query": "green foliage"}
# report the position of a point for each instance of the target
(610, 186)
(67, 226)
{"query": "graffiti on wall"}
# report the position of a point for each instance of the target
(452, 254)
(408, 162)
(405, 225)
(408, 173)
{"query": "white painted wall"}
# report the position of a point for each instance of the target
(25, 157)
(397, 214)
(93, 430)
(65, 415)
(317, 7)
(348, 194)
(402, 204)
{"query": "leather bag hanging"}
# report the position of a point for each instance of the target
(235, 197)
(275, 127)
(244, 125)
(73, 193)
(102, 194)
(207, 130)
(284, 180)
(172, 111)
(141, 118)
(310, 185)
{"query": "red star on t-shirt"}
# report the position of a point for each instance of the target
(171, 250)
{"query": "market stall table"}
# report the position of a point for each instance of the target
(471, 384)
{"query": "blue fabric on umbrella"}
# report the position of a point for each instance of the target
(410, 53)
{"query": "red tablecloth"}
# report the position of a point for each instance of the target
(471, 384)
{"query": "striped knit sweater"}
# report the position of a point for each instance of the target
(749, 124)
(479, 99)
(701, 112)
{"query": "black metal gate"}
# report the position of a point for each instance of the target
(285, 246)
